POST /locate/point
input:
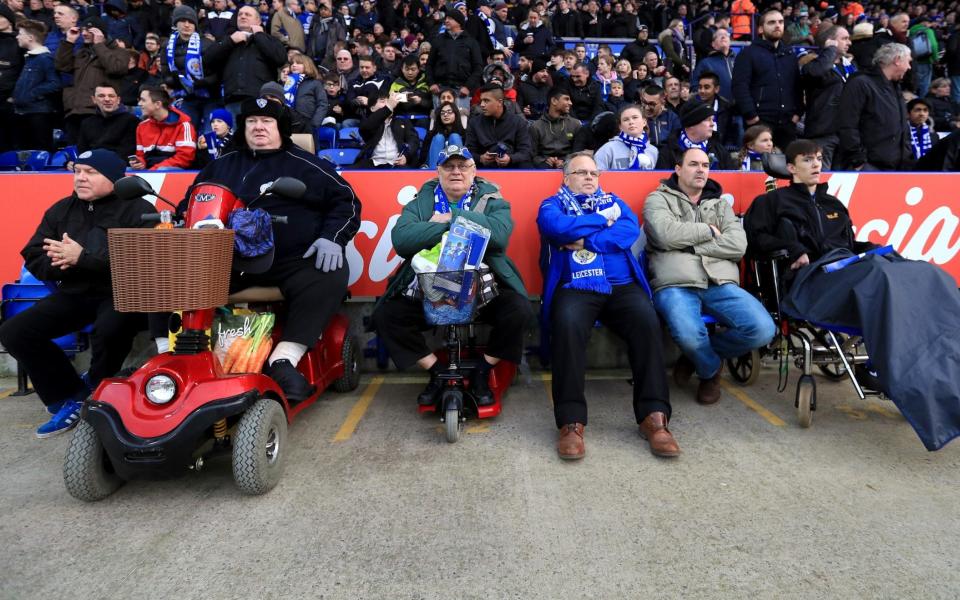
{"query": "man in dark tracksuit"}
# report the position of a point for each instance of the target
(308, 266)
(70, 248)
(455, 60)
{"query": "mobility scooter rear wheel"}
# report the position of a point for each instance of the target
(452, 405)
(352, 355)
(259, 447)
(86, 468)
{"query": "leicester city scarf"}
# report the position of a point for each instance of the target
(749, 158)
(686, 143)
(193, 63)
(921, 140)
(290, 88)
(638, 148)
(441, 205)
(586, 268)
(491, 28)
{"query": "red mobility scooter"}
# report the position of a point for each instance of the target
(181, 408)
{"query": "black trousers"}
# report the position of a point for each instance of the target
(35, 131)
(29, 335)
(8, 126)
(629, 313)
(311, 296)
(400, 323)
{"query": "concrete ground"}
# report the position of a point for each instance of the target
(374, 504)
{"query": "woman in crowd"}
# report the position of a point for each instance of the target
(447, 130)
(630, 149)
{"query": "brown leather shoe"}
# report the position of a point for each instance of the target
(570, 445)
(709, 390)
(683, 370)
(654, 430)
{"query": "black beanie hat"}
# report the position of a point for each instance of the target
(694, 112)
(457, 16)
(265, 108)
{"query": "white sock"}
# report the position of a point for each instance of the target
(291, 351)
(163, 344)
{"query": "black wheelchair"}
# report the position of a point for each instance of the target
(837, 353)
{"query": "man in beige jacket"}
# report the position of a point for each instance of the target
(694, 242)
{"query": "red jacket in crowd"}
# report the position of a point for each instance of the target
(167, 144)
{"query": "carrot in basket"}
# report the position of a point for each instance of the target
(234, 352)
(260, 356)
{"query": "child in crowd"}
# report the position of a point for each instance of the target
(757, 140)
(616, 100)
(336, 101)
(216, 140)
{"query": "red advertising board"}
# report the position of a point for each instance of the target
(917, 214)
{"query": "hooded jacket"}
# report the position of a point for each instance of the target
(681, 247)
(90, 65)
(37, 84)
(484, 134)
(552, 137)
(87, 224)
(615, 155)
(329, 208)
(170, 144)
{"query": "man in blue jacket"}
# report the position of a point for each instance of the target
(765, 82)
(592, 274)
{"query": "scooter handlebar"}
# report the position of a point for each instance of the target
(150, 217)
(280, 220)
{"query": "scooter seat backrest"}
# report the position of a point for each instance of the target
(256, 295)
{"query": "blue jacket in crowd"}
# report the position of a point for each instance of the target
(766, 82)
(37, 84)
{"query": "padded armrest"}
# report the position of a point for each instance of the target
(256, 294)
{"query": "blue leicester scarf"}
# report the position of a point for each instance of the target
(193, 63)
(290, 88)
(491, 28)
(586, 268)
(638, 147)
(441, 205)
(686, 143)
(920, 140)
(749, 158)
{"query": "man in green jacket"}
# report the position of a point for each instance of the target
(694, 242)
(398, 316)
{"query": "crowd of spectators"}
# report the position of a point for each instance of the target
(160, 82)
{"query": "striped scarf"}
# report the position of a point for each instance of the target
(921, 140)
(638, 147)
(686, 143)
(586, 268)
(749, 158)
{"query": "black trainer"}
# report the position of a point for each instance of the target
(294, 385)
(480, 387)
(431, 394)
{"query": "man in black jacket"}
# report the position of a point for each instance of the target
(308, 266)
(454, 60)
(765, 82)
(11, 62)
(497, 138)
(637, 49)
(697, 131)
(823, 76)
(69, 248)
(364, 90)
(873, 128)
(388, 142)
(585, 93)
(566, 21)
(249, 58)
(112, 128)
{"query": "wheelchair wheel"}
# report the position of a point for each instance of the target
(833, 371)
(745, 369)
(451, 420)
(806, 401)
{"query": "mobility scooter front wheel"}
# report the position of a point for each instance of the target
(259, 447)
(86, 468)
(352, 355)
(452, 404)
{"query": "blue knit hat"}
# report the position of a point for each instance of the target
(107, 163)
(224, 115)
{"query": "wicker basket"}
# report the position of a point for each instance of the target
(161, 270)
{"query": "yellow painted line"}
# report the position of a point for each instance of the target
(740, 395)
(547, 379)
(481, 427)
(359, 409)
(6, 393)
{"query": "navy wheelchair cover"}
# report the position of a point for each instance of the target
(909, 312)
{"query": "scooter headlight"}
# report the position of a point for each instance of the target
(161, 389)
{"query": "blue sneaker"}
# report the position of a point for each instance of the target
(54, 408)
(66, 419)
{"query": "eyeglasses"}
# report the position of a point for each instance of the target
(343, 58)
(585, 173)
(457, 167)
(446, 112)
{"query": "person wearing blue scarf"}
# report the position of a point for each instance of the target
(631, 149)
(921, 131)
(183, 70)
(592, 273)
(398, 317)
(697, 129)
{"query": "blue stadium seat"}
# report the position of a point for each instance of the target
(9, 161)
(342, 157)
(326, 138)
(35, 160)
(350, 138)
(58, 161)
(422, 132)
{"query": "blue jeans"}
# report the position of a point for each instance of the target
(747, 324)
(955, 89)
(924, 74)
(438, 143)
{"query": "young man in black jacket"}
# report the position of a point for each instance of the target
(388, 142)
(70, 249)
(498, 138)
(454, 60)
